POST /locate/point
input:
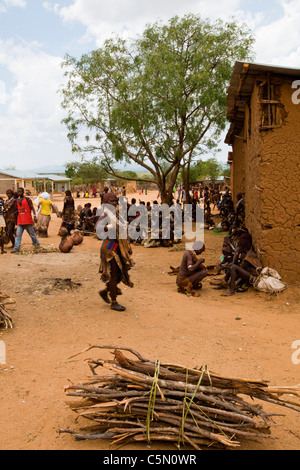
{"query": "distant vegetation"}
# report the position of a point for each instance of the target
(157, 101)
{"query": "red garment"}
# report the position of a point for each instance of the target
(24, 209)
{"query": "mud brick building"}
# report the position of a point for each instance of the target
(33, 182)
(263, 107)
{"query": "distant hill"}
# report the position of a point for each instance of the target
(53, 169)
(50, 169)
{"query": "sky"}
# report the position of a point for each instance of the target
(36, 35)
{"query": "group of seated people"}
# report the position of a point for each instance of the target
(159, 229)
(165, 235)
(87, 218)
(232, 215)
(239, 263)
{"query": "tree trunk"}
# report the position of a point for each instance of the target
(186, 182)
(166, 188)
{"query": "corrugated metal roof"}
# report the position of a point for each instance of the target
(53, 177)
(26, 175)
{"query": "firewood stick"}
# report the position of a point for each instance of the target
(137, 376)
(195, 407)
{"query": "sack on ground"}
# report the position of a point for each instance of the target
(269, 281)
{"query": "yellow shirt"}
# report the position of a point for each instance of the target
(45, 206)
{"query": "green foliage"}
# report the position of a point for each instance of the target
(226, 171)
(209, 169)
(71, 169)
(86, 172)
(158, 100)
(129, 174)
(77, 181)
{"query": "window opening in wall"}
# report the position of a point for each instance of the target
(270, 105)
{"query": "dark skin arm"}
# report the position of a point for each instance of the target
(194, 267)
(2, 230)
(33, 209)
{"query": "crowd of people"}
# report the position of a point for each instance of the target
(17, 214)
(238, 260)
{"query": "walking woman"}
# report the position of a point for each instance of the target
(68, 212)
(45, 209)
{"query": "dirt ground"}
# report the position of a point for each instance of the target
(249, 335)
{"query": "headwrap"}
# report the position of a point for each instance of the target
(45, 196)
(197, 245)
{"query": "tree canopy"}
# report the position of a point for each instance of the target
(209, 169)
(90, 172)
(158, 100)
(85, 172)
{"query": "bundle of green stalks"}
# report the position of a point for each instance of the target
(138, 400)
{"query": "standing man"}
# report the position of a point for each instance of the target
(178, 192)
(183, 195)
(115, 253)
(11, 214)
(2, 226)
(25, 220)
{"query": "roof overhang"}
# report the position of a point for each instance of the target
(239, 91)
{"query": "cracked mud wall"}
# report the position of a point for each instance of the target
(238, 167)
(253, 193)
(6, 182)
(280, 183)
(268, 172)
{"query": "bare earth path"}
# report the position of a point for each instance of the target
(248, 336)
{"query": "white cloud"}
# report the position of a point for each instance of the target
(5, 4)
(101, 18)
(30, 112)
(30, 124)
(52, 8)
(278, 42)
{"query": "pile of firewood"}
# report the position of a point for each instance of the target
(138, 400)
(5, 319)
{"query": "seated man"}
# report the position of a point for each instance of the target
(86, 218)
(245, 265)
(191, 271)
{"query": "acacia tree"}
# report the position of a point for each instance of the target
(86, 171)
(158, 100)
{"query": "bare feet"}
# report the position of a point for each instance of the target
(228, 293)
(103, 294)
(118, 307)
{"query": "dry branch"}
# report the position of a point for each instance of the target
(5, 320)
(144, 401)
